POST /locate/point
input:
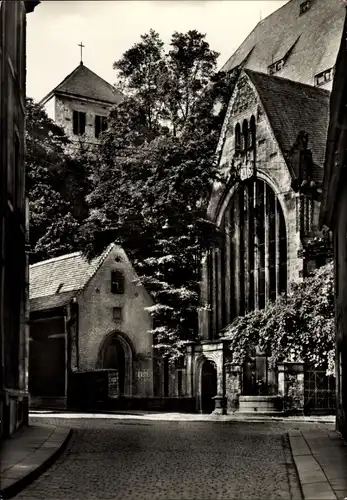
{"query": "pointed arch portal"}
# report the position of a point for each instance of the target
(116, 353)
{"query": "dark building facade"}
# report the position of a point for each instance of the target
(334, 216)
(13, 218)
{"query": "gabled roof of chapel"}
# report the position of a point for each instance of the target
(83, 82)
(292, 107)
(54, 282)
(317, 34)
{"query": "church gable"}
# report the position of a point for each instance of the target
(265, 117)
(114, 301)
(248, 144)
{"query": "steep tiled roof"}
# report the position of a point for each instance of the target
(320, 30)
(51, 302)
(83, 82)
(292, 107)
(54, 282)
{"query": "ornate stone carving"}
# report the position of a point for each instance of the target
(245, 97)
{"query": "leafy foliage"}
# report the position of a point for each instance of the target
(153, 175)
(297, 327)
(56, 184)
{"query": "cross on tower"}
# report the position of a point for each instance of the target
(82, 46)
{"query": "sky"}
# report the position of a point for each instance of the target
(109, 28)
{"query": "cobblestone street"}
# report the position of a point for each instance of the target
(115, 459)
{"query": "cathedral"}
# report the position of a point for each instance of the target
(273, 142)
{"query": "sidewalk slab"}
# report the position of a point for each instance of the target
(28, 454)
(320, 458)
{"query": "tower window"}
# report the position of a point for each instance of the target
(117, 282)
(79, 122)
(305, 6)
(100, 124)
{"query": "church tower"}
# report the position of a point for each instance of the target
(81, 103)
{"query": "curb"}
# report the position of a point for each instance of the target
(183, 418)
(13, 489)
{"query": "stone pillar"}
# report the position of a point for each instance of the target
(236, 273)
(190, 371)
(214, 293)
(267, 246)
(204, 281)
(277, 239)
(219, 294)
(293, 393)
(204, 310)
(256, 250)
(227, 269)
(233, 385)
(220, 399)
(246, 247)
(281, 379)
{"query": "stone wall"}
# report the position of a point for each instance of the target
(64, 108)
(340, 231)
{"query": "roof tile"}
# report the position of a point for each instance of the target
(292, 107)
(57, 276)
(320, 30)
(83, 82)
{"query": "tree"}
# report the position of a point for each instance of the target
(155, 167)
(56, 184)
(300, 326)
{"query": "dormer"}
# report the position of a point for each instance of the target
(280, 62)
(323, 77)
(305, 6)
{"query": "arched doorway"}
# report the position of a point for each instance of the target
(208, 386)
(114, 359)
(116, 354)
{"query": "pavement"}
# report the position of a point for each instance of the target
(28, 454)
(147, 455)
(321, 461)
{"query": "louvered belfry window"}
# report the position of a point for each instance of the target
(79, 122)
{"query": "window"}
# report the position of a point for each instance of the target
(100, 124)
(117, 282)
(324, 77)
(251, 133)
(244, 140)
(305, 6)
(258, 251)
(117, 313)
(79, 122)
(237, 137)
